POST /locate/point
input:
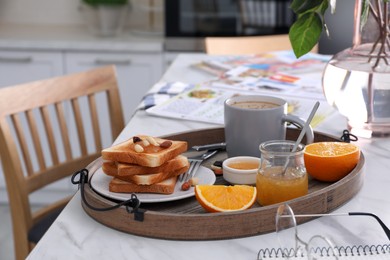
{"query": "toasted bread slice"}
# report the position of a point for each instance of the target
(148, 179)
(150, 155)
(165, 187)
(127, 169)
(110, 168)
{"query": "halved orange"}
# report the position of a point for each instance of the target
(220, 198)
(330, 161)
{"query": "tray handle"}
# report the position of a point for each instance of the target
(132, 204)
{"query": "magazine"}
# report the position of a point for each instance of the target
(205, 103)
(275, 72)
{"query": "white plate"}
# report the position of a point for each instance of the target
(99, 182)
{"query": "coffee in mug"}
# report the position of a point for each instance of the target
(253, 119)
(254, 105)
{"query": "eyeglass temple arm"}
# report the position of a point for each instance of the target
(384, 227)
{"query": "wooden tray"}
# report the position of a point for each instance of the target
(186, 220)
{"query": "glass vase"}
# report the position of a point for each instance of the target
(356, 81)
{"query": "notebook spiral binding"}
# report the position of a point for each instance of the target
(358, 250)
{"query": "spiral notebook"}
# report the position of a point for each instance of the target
(344, 252)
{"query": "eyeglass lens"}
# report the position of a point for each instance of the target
(292, 245)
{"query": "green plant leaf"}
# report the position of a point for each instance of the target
(303, 6)
(305, 33)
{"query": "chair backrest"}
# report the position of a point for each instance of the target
(247, 44)
(49, 129)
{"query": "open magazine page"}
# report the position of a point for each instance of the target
(218, 65)
(223, 63)
(202, 103)
(279, 73)
(205, 103)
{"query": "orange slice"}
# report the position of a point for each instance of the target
(220, 198)
(330, 161)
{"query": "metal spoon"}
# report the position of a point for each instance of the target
(302, 133)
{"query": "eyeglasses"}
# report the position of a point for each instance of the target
(292, 245)
(318, 246)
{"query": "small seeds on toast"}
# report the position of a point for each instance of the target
(152, 141)
(138, 148)
(141, 143)
(136, 139)
(166, 144)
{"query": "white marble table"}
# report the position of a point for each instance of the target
(75, 235)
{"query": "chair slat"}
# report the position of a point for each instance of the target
(79, 126)
(64, 130)
(50, 135)
(15, 119)
(116, 116)
(36, 140)
(95, 121)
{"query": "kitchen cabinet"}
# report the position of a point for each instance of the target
(24, 66)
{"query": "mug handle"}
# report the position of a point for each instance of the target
(301, 123)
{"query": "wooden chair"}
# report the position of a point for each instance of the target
(247, 44)
(40, 112)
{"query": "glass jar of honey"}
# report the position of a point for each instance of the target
(282, 174)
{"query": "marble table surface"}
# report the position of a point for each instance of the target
(75, 235)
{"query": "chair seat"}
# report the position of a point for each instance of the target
(40, 228)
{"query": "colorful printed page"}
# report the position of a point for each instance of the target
(205, 103)
(278, 73)
(226, 63)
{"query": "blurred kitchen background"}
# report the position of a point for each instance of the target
(147, 17)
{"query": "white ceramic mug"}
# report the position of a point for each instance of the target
(253, 119)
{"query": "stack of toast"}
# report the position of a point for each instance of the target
(145, 164)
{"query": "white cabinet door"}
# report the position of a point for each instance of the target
(137, 72)
(23, 66)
